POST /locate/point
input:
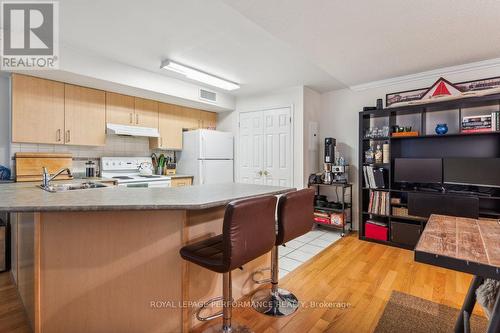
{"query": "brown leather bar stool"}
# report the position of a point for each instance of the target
(295, 218)
(248, 233)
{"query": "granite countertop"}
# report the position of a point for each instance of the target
(27, 197)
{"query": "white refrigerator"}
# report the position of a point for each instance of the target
(208, 156)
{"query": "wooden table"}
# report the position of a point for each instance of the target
(465, 245)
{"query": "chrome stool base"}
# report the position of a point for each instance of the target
(275, 304)
(235, 328)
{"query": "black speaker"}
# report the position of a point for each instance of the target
(425, 204)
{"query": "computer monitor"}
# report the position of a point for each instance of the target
(418, 170)
(472, 171)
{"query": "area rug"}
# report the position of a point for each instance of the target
(406, 313)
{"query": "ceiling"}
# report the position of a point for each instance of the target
(360, 41)
(207, 35)
(266, 45)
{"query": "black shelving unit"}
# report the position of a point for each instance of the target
(345, 206)
(423, 119)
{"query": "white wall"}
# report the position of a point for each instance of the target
(4, 121)
(340, 108)
(290, 97)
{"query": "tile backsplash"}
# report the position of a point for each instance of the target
(115, 146)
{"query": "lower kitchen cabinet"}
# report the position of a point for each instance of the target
(180, 182)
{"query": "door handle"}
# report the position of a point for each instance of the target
(260, 173)
(266, 173)
(68, 136)
(58, 135)
(137, 119)
(131, 118)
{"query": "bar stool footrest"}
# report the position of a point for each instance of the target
(260, 271)
(205, 305)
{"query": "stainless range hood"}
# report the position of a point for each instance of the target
(132, 130)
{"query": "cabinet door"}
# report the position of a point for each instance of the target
(170, 127)
(190, 118)
(180, 182)
(119, 109)
(208, 119)
(37, 110)
(85, 116)
(146, 113)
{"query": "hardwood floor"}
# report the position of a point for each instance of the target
(13, 319)
(353, 272)
(362, 275)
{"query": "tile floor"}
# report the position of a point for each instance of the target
(304, 248)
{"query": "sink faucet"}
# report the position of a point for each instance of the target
(46, 178)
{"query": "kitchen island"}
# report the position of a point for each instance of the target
(107, 259)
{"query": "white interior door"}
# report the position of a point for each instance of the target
(277, 147)
(251, 148)
(265, 147)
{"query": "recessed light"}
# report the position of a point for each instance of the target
(195, 74)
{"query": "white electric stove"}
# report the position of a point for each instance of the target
(125, 170)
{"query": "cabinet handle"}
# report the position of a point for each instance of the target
(131, 119)
(137, 118)
(58, 135)
(68, 134)
(161, 142)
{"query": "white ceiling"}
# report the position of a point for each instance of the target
(359, 41)
(270, 44)
(208, 35)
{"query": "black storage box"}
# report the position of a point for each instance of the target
(405, 233)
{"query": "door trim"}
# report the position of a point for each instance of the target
(291, 134)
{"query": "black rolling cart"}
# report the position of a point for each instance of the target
(339, 206)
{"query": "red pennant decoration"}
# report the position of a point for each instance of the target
(441, 90)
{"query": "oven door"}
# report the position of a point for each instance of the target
(161, 183)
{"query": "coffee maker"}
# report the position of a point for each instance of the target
(329, 160)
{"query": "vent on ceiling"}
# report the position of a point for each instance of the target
(208, 95)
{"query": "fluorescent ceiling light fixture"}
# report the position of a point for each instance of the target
(197, 75)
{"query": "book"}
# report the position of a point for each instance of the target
(371, 177)
(478, 130)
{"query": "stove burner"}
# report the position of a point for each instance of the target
(122, 177)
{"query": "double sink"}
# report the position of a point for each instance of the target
(71, 187)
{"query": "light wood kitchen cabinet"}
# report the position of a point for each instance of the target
(170, 128)
(85, 116)
(145, 113)
(37, 110)
(119, 109)
(180, 182)
(208, 119)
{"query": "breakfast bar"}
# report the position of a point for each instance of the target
(107, 259)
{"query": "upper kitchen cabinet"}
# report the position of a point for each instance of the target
(85, 116)
(146, 113)
(208, 119)
(170, 128)
(120, 109)
(37, 110)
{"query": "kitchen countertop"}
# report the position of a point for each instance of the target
(27, 197)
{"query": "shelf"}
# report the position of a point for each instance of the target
(377, 189)
(378, 165)
(409, 218)
(444, 136)
(328, 209)
(383, 138)
(489, 212)
(333, 184)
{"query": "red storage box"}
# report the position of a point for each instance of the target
(375, 232)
